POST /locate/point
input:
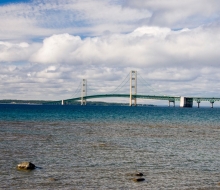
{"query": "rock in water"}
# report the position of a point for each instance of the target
(139, 174)
(53, 179)
(26, 166)
(138, 179)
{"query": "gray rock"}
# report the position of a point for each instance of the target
(26, 166)
(139, 174)
(52, 179)
(138, 179)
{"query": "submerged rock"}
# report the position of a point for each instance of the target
(26, 166)
(139, 174)
(138, 179)
(135, 174)
(52, 179)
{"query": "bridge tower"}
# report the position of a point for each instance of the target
(83, 91)
(133, 88)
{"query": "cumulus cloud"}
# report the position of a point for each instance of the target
(44, 18)
(141, 47)
(48, 47)
(10, 52)
(57, 49)
(163, 57)
(178, 14)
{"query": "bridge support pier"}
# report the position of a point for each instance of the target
(198, 102)
(186, 102)
(133, 88)
(83, 92)
(173, 101)
(212, 102)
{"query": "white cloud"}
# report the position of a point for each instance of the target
(42, 18)
(146, 46)
(48, 47)
(16, 51)
(45, 18)
(57, 49)
(162, 56)
(179, 14)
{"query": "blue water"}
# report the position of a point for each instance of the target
(102, 147)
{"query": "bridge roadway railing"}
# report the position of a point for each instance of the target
(169, 98)
(205, 99)
(153, 97)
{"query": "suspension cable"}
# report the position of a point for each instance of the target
(77, 90)
(121, 85)
(146, 84)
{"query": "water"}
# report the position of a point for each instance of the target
(89, 147)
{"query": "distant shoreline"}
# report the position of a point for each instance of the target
(41, 102)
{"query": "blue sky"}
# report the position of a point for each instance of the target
(47, 46)
(4, 2)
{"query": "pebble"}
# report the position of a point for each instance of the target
(26, 166)
(139, 174)
(138, 179)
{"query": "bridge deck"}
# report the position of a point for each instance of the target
(169, 98)
(127, 96)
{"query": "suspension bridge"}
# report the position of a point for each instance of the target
(133, 95)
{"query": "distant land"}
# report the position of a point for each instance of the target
(12, 101)
(41, 102)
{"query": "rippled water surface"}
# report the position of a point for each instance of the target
(95, 147)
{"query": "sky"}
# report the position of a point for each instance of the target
(48, 46)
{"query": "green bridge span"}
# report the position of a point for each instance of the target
(152, 97)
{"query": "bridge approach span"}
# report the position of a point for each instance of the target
(172, 99)
(169, 98)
